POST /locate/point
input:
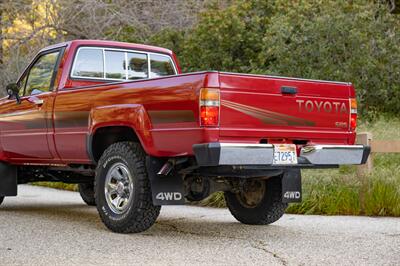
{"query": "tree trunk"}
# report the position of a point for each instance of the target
(394, 6)
(1, 36)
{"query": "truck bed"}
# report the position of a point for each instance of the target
(257, 108)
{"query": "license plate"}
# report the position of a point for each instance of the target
(285, 154)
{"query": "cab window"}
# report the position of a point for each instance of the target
(89, 63)
(41, 73)
(119, 64)
(115, 65)
(137, 66)
(21, 85)
(161, 66)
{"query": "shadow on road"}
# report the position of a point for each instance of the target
(208, 227)
(86, 217)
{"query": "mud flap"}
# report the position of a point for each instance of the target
(166, 189)
(291, 186)
(8, 180)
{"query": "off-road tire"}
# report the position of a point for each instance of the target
(141, 214)
(87, 193)
(268, 210)
(1, 200)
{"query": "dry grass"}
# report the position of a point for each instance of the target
(57, 185)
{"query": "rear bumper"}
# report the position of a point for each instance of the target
(216, 154)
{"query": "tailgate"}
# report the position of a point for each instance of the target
(264, 108)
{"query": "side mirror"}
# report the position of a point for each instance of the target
(13, 91)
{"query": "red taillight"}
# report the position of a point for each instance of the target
(353, 122)
(209, 116)
(353, 114)
(209, 107)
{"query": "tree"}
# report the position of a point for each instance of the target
(346, 41)
(355, 41)
(29, 25)
(228, 39)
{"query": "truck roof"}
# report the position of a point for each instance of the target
(103, 43)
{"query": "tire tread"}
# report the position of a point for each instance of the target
(272, 208)
(87, 196)
(143, 214)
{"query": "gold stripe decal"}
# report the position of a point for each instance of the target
(177, 116)
(34, 119)
(266, 116)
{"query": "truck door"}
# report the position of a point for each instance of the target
(25, 126)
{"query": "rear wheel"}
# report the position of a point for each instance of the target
(259, 202)
(122, 189)
(1, 200)
(87, 193)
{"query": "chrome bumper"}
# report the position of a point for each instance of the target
(216, 154)
(335, 154)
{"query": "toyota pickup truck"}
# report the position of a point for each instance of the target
(124, 123)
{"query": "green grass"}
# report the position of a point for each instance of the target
(382, 129)
(342, 192)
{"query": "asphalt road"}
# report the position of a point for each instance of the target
(50, 227)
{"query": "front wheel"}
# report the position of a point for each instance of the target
(259, 202)
(1, 200)
(122, 189)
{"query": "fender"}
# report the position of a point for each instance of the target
(130, 115)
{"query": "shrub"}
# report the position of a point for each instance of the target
(355, 41)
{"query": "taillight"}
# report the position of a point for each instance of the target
(209, 107)
(353, 114)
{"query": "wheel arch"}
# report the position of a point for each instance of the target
(116, 123)
(104, 136)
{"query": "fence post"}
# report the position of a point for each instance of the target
(365, 138)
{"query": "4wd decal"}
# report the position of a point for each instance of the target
(292, 195)
(169, 196)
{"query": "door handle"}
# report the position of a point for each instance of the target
(288, 90)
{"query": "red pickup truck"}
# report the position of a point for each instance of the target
(124, 123)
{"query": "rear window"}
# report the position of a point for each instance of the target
(138, 67)
(161, 66)
(115, 64)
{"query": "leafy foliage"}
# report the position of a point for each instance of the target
(228, 39)
(340, 40)
(355, 41)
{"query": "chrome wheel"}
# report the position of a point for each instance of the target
(118, 188)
